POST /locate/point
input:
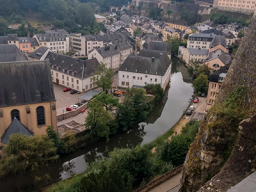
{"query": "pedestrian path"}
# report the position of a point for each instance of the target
(168, 184)
(80, 118)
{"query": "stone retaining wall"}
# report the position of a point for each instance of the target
(160, 179)
(69, 114)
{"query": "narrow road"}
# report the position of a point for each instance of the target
(168, 184)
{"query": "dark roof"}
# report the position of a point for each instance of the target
(214, 30)
(24, 39)
(14, 128)
(11, 53)
(3, 40)
(37, 54)
(157, 45)
(25, 83)
(224, 57)
(89, 95)
(126, 19)
(72, 66)
(52, 35)
(105, 38)
(201, 36)
(34, 42)
(13, 37)
(218, 40)
(214, 77)
(151, 37)
(146, 64)
(197, 51)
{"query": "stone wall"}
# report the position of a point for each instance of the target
(69, 114)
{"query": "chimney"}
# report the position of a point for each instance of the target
(153, 59)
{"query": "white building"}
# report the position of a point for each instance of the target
(200, 40)
(149, 67)
(56, 40)
(112, 55)
(72, 73)
(77, 44)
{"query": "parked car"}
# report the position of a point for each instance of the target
(72, 108)
(196, 100)
(191, 108)
(73, 91)
(202, 95)
(189, 112)
(84, 101)
(79, 104)
(66, 89)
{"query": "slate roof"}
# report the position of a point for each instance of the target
(126, 19)
(52, 35)
(144, 63)
(196, 51)
(13, 37)
(201, 37)
(37, 54)
(151, 37)
(218, 40)
(214, 77)
(3, 40)
(34, 42)
(157, 45)
(72, 66)
(214, 30)
(14, 128)
(24, 39)
(224, 57)
(25, 83)
(105, 38)
(11, 53)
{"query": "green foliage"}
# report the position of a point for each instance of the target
(233, 49)
(240, 34)
(202, 69)
(97, 119)
(103, 77)
(24, 153)
(191, 70)
(136, 32)
(155, 13)
(200, 84)
(54, 136)
(108, 101)
(186, 36)
(69, 141)
(226, 18)
(85, 15)
(157, 90)
(176, 150)
(174, 44)
(191, 17)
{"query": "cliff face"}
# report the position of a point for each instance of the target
(223, 154)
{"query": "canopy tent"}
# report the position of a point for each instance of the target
(89, 95)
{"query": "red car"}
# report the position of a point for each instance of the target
(196, 100)
(66, 89)
(123, 92)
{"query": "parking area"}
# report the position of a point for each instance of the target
(64, 99)
(199, 112)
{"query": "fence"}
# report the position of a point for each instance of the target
(70, 114)
(160, 179)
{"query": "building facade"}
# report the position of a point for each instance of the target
(200, 40)
(29, 97)
(237, 5)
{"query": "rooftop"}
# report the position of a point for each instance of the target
(197, 51)
(11, 53)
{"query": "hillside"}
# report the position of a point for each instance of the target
(224, 150)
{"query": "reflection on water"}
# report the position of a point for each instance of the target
(163, 117)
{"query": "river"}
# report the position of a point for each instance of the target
(164, 116)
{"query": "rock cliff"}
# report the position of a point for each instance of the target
(224, 150)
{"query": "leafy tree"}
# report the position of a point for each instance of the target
(69, 140)
(103, 77)
(169, 12)
(155, 13)
(203, 69)
(174, 44)
(24, 153)
(3, 24)
(85, 15)
(200, 84)
(157, 90)
(54, 136)
(136, 32)
(186, 36)
(98, 119)
(108, 101)
(240, 34)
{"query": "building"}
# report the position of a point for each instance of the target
(149, 67)
(25, 44)
(236, 6)
(40, 54)
(113, 54)
(56, 40)
(10, 53)
(10, 39)
(71, 72)
(78, 44)
(27, 101)
(217, 59)
(200, 40)
(99, 18)
(175, 24)
(193, 54)
(172, 33)
(215, 82)
(158, 46)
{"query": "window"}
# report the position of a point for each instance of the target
(56, 74)
(138, 78)
(72, 85)
(67, 78)
(155, 79)
(15, 113)
(86, 87)
(123, 83)
(52, 72)
(40, 115)
(216, 66)
(77, 81)
(26, 46)
(23, 46)
(77, 87)
(72, 80)
(63, 82)
(127, 83)
(44, 43)
(141, 78)
(133, 77)
(90, 86)
(62, 76)
(150, 79)
(145, 83)
(123, 76)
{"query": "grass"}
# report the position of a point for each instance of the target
(36, 19)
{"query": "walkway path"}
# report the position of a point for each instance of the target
(168, 184)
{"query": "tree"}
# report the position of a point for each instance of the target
(3, 24)
(24, 153)
(136, 32)
(85, 15)
(200, 84)
(103, 77)
(169, 12)
(54, 136)
(174, 44)
(108, 101)
(204, 69)
(69, 140)
(155, 89)
(98, 119)
(186, 36)
(240, 34)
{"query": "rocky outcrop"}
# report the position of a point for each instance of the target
(209, 156)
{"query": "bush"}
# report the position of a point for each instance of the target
(155, 89)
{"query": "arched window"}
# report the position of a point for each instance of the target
(15, 113)
(40, 115)
(216, 66)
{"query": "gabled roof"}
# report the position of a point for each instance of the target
(3, 40)
(10, 53)
(146, 64)
(13, 37)
(157, 45)
(197, 51)
(72, 66)
(224, 57)
(214, 30)
(218, 40)
(201, 36)
(25, 83)
(37, 54)
(14, 128)
(214, 77)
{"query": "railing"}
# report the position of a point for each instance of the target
(160, 179)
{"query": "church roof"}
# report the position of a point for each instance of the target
(15, 127)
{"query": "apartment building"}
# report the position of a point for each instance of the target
(56, 40)
(10, 39)
(77, 44)
(200, 40)
(173, 33)
(72, 73)
(245, 6)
